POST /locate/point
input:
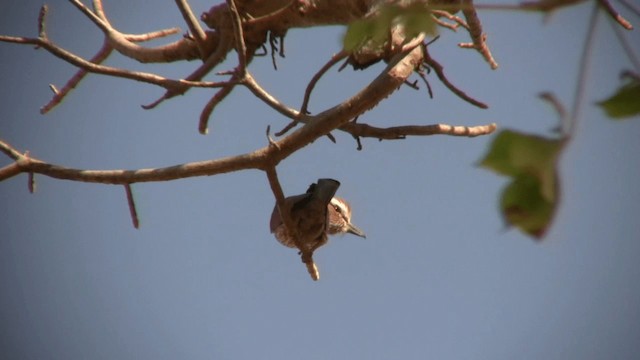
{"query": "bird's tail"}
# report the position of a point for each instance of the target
(324, 190)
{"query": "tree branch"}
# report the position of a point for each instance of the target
(439, 69)
(387, 82)
(615, 14)
(107, 70)
(132, 206)
(478, 38)
(194, 27)
(253, 160)
(401, 132)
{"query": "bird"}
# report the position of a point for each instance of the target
(315, 214)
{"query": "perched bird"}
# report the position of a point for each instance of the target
(314, 214)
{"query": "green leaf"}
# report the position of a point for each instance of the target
(530, 199)
(512, 153)
(624, 103)
(524, 205)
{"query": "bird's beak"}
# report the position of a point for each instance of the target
(352, 229)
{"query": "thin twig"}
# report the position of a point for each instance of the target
(269, 17)
(288, 127)
(477, 36)
(312, 83)
(439, 69)
(253, 160)
(194, 27)
(422, 76)
(241, 48)
(98, 58)
(448, 15)
(132, 206)
(183, 49)
(97, 20)
(98, 9)
(42, 17)
(552, 100)
(205, 114)
(268, 99)
(401, 132)
(111, 71)
(212, 61)
(60, 94)
(273, 45)
(615, 14)
(445, 24)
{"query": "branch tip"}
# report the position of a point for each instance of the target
(615, 14)
(42, 16)
(132, 206)
(31, 183)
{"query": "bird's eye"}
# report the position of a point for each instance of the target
(337, 208)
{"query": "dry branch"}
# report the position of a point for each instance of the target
(478, 38)
(194, 27)
(108, 70)
(401, 132)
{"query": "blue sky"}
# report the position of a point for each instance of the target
(438, 275)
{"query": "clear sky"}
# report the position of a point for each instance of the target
(438, 276)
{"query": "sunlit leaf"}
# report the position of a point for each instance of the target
(513, 152)
(530, 199)
(624, 103)
(376, 30)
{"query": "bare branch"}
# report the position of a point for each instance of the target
(615, 14)
(31, 183)
(194, 27)
(241, 48)
(399, 68)
(98, 9)
(132, 206)
(253, 160)
(445, 24)
(454, 18)
(439, 69)
(42, 17)
(9, 171)
(268, 99)
(422, 76)
(223, 47)
(401, 132)
(274, 15)
(111, 71)
(182, 49)
(98, 58)
(477, 36)
(555, 104)
(307, 92)
(59, 95)
(220, 95)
